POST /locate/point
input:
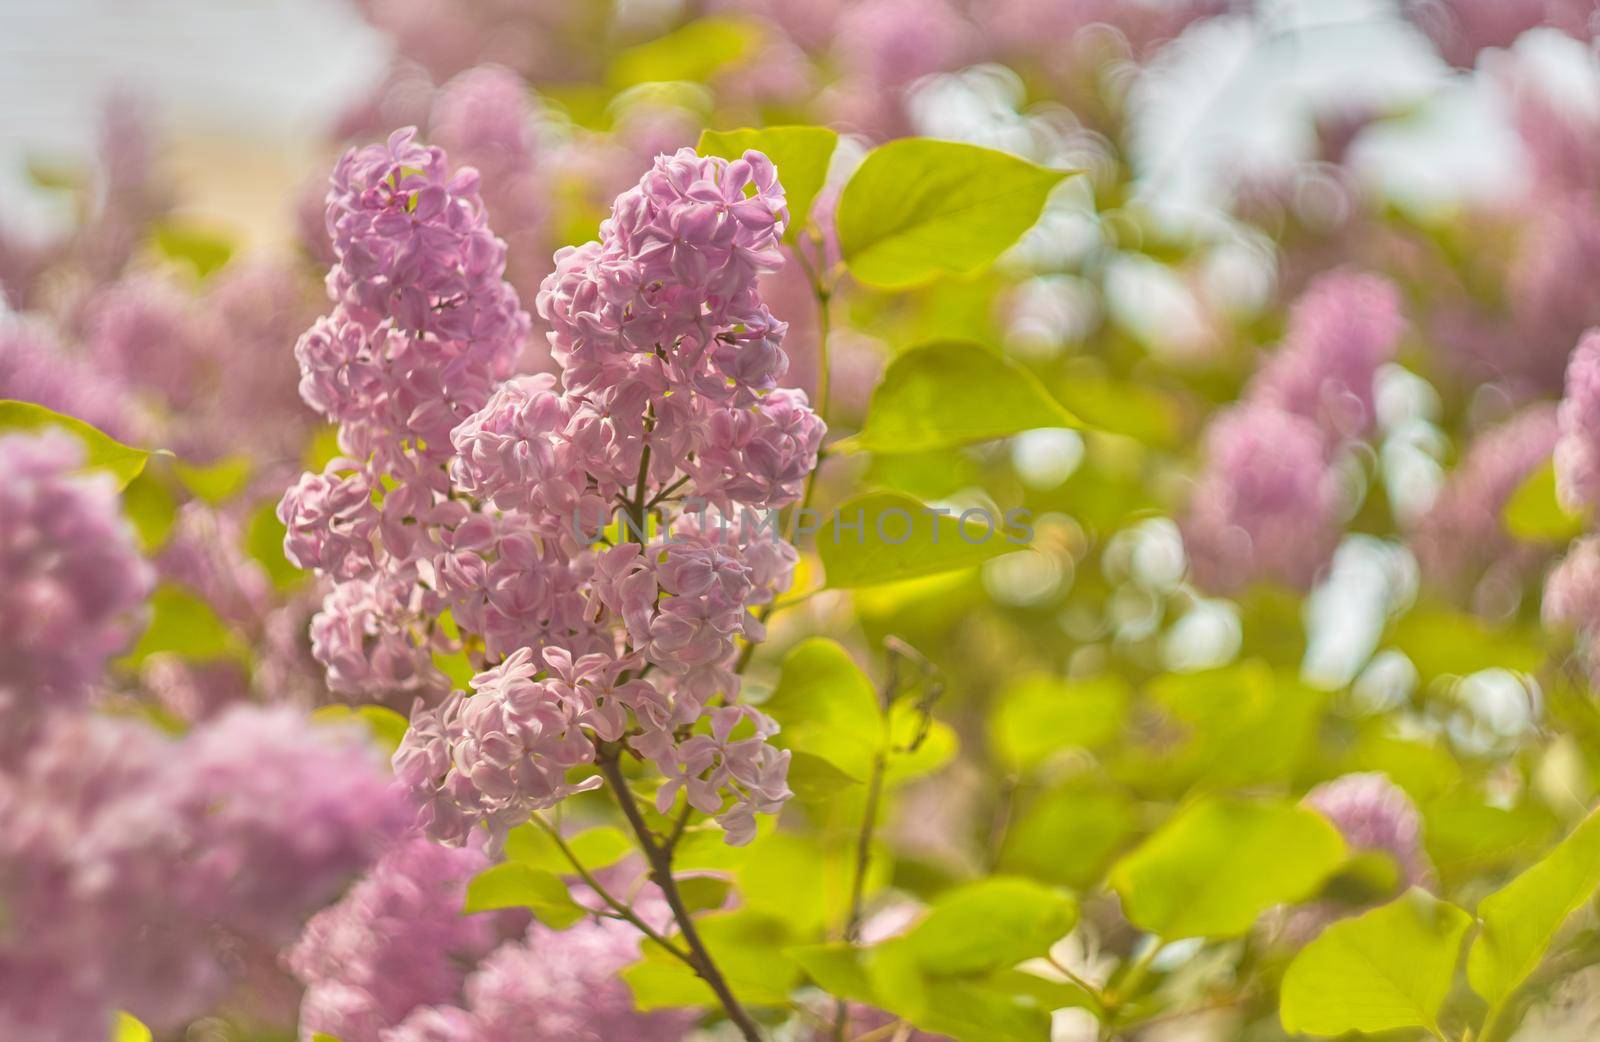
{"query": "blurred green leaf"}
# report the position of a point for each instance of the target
(515, 885)
(101, 451)
(991, 924)
(1441, 641)
(1389, 968)
(951, 393)
(1038, 715)
(56, 175)
(703, 893)
(216, 482)
(387, 727)
(918, 745)
(748, 947)
(827, 707)
(814, 778)
(151, 508)
(183, 624)
(1219, 863)
(263, 541)
(595, 848)
(1068, 836)
(1535, 514)
(801, 155)
(1120, 407)
(882, 537)
(916, 209)
(203, 249)
(695, 52)
(1522, 919)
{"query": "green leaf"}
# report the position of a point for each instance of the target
(203, 249)
(936, 744)
(916, 209)
(836, 969)
(884, 537)
(1441, 640)
(952, 393)
(129, 1029)
(318, 1036)
(1039, 715)
(184, 625)
(826, 707)
(1522, 919)
(1535, 514)
(515, 885)
(991, 924)
(216, 482)
(815, 779)
(263, 541)
(151, 508)
(387, 727)
(1120, 407)
(695, 52)
(801, 155)
(595, 848)
(703, 893)
(1389, 968)
(101, 451)
(1067, 837)
(1220, 863)
(749, 948)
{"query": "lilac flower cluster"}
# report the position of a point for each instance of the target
(1267, 504)
(468, 492)
(1372, 813)
(73, 578)
(129, 861)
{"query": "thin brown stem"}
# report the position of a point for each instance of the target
(660, 860)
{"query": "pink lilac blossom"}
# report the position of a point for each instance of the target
(131, 863)
(35, 367)
(1577, 452)
(1572, 600)
(396, 942)
(487, 497)
(1374, 814)
(153, 338)
(484, 117)
(1267, 504)
(1462, 542)
(1462, 28)
(1341, 329)
(72, 576)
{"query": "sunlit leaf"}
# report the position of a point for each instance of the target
(1219, 863)
(951, 393)
(994, 923)
(216, 482)
(916, 209)
(882, 537)
(1389, 968)
(515, 885)
(129, 1029)
(1038, 715)
(203, 249)
(801, 155)
(595, 848)
(386, 726)
(184, 625)
(748, 947)
(695, 52)
(1068, 836)
(101, 451)
(826, 707)
(1522, 919)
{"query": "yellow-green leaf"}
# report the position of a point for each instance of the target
(1521, 919)
(515, 885)
(129, 1029)
(101, 451)
(951, 393)
(917, 209)
(1386, 969)
(695, 52)
(884, 537)
(1535, 513)
(1219, 863)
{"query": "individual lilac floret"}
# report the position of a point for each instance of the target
(72, 576)
(1341, 329)
(1578, 449)
(1266, 505)
(395, 942)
